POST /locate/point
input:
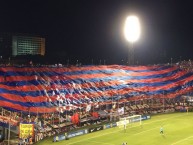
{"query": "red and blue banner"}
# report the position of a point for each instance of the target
(53, 89)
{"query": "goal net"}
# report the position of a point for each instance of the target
(132, 120)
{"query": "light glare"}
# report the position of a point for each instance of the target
(132, 29)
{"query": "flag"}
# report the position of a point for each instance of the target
(88, 107)
(121, 111)
(114, 105)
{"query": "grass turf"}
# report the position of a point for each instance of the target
(178, 130)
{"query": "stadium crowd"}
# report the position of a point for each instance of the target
(46, 125)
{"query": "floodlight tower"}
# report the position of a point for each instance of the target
(132, 33)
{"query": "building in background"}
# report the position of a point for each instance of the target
(20, 45)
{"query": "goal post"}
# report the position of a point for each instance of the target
(130, 120)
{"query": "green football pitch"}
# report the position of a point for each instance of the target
(178, 130)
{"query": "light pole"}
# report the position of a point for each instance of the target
(132, 33)
(9, 128)
(171, 60)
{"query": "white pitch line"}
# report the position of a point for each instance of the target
(165, 119)
(119, 130)
(102, 142)
(182, 140)
(94, 137)
(145, 131)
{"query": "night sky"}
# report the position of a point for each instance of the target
(93, 29)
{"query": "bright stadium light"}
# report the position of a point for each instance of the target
(132, 29)
(132, 33)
